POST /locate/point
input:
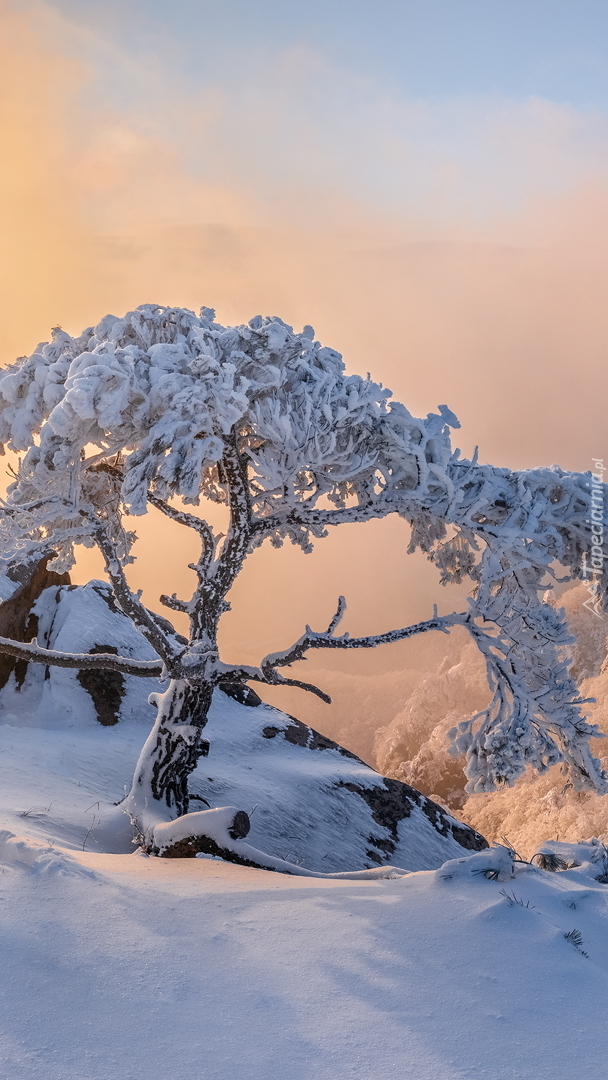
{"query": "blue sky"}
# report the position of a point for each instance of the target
(432, 49)
(434, 111)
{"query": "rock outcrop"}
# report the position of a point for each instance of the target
(17, 620)
(309, 800)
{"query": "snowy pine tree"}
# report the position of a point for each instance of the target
(163, 405)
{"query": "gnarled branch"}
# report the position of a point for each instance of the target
(327, 640)
(267, 672)
(207, 537)
(99, 661)
(251, 674)
(174, 603)
(236, 544)
(130, 604)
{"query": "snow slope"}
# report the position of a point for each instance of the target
(148, 969)
(140, 968)
(128, 967)
(315, 803)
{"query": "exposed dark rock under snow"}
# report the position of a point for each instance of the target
(310, 801)
(20, 587)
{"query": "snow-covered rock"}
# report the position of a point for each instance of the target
(311, 802)
(314, 803)
(77, 619)
(21, 583)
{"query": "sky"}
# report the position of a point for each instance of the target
(424, 182)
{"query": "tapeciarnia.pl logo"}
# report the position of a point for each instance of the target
(593, 561)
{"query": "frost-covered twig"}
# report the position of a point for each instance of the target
(327, 640)
(131, 606)
(267, 671)
(97, 661)
(229, 673)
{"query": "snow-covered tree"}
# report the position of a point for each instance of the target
(165, 408)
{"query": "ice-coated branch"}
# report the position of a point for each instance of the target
(201, 567)
(280, 680)
(191, 521)
(327, 640)
(174, 603)
(325, 518)
(131, 606)
(534, 717)
(267, 672)
(226, 673)
(341, 608)
(98, 661)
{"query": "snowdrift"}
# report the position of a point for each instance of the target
(129, 966)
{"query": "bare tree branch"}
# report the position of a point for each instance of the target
(267, 672)
(99, 661)
(130, 604)
(312, 640)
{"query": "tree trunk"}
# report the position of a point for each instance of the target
(160, 785)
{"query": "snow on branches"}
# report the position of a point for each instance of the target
(163, 403)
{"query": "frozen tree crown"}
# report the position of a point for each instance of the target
(164, 403)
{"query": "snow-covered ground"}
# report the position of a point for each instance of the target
(125, 967)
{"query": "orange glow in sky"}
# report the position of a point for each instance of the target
(503, 317)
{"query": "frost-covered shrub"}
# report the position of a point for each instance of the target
(412, 748)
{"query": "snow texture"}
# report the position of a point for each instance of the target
(215, 825)
(316, 805)
(124, 965)
(131, 966)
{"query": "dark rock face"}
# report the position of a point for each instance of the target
(241, 692)
(241, 825)
(299, 734)
(106, 688)
(16, 618)
(390, 801)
